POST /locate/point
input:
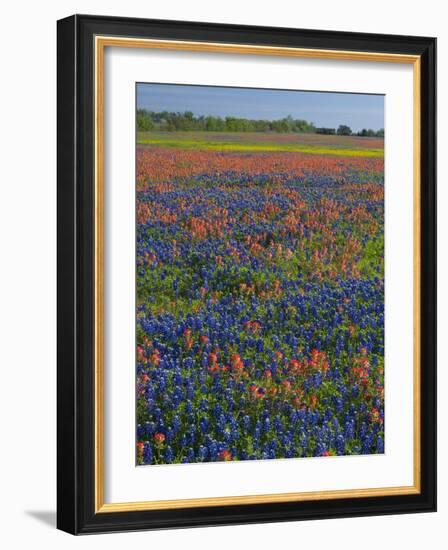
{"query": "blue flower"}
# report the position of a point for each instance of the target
(169, 454)
(147, 453)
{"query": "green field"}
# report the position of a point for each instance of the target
(267, 142)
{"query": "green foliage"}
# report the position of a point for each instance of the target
(371, 133)
(144, 122)
(177, 122)
(187, 121)
(371, 263)
(326, 131)
(344, 130)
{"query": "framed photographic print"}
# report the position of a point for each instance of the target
(246, 274)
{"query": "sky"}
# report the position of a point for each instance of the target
(328, 109)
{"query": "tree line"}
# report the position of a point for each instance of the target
(168, 121)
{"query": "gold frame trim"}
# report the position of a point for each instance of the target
(101, 42)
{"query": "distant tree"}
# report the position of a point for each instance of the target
(282, 126)
(231, 124)
(367, 133)
(326, 131)
(303, 126)
(344, 130)
(187, 121)
(144, 122)
(261, 126)
(210, 124)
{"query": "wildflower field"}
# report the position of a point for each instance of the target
(260, 297)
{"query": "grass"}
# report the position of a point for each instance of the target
(346, 146)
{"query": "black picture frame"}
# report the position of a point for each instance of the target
(76, 258)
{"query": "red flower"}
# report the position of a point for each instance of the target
(237, 363)
(225, 455)
(213, 368)
(159, 438)
(294, 364)
(375, 415)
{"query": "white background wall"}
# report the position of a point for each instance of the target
(28, 267)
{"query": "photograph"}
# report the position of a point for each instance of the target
(246, 267)
(223, 245)
(259, 274)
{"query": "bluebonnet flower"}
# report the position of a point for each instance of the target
(169, 454)
(147, 453)
(380, 445)
(340, 444)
